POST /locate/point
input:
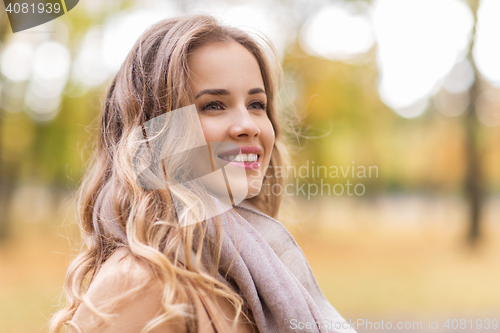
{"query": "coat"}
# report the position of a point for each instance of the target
(121, 274)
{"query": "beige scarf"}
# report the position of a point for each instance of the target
(272, 274)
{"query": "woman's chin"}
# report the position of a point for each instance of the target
(253, 189)
(252, 195)
(240, 188)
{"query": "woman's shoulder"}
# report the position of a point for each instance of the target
(126, 289)
(122, 271)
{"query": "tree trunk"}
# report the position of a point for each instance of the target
(473, 182)
(473, 188)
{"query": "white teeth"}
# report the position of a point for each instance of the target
(249, 158)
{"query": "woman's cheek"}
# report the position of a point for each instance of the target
(267, 136)
(210, 129)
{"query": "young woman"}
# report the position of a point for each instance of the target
(163, 256)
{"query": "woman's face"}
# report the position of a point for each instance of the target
(229, 94)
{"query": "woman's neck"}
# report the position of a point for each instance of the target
(251, 204)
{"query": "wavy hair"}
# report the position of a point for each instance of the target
(153, 80)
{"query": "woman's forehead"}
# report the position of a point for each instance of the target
(224, 65)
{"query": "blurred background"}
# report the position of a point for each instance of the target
(410, 88)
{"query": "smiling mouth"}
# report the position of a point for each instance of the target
(241, 158)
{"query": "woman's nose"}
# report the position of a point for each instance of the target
(243, 126)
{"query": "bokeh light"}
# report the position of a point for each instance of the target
(263, 18)
(120, 33)
(42, 108)
(88, 67)
(16, 60)
(451, 104)
(51, 61)
(419, 42)
(51, 64)
(487, 46)
(488, 108)
(460, 78)
(337, 32)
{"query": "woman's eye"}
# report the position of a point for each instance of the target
(212, 106)
(258, 105)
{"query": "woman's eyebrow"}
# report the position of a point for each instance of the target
(256, 91)
(213, 92)
(226, 92)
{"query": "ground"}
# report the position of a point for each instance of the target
(370, 271)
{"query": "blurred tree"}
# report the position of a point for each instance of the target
(53, 152)
(340, 99)
(8, 173)
(473, 184)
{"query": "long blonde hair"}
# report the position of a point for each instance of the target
(153, 80)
